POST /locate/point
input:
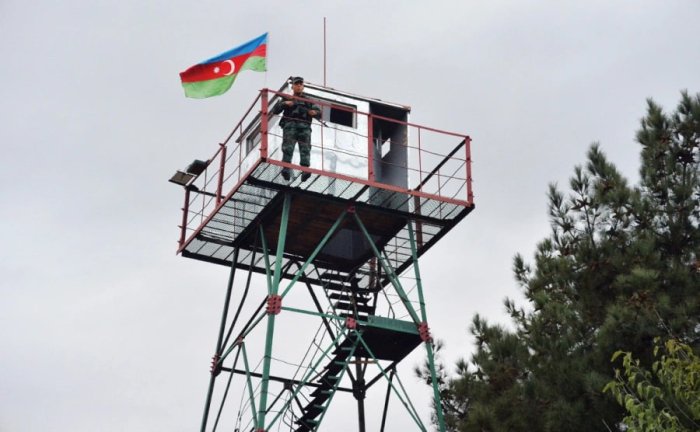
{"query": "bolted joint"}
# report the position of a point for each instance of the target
(350, 323)
(215, 368)
(358, 393)
(239, 341)
(351, 209)
(424, 332)
(274, 304)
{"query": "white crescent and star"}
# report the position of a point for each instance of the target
(218, 70)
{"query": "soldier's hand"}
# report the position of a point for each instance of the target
(313, 113)
(288, 103)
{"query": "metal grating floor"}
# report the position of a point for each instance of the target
(253, 203)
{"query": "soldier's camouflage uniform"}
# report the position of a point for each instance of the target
(296, 127)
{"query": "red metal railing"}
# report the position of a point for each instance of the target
(421, 161)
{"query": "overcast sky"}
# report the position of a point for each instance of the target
(104, 328)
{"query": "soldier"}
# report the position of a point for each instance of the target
(296, 126)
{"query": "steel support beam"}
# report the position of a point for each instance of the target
(428, 343)
(217, 353)
(273, 289)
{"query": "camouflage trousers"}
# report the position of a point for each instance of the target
(290, 136)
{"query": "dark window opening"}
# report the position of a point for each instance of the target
(252, 140)
(342, 117)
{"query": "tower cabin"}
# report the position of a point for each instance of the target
(366, 158)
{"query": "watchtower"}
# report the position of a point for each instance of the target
(340, 300)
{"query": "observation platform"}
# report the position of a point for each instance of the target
(366, 159)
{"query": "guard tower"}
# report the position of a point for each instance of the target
(331, 300)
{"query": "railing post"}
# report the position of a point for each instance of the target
(222, 164)
(322, 156)
(240, 151)
(263, 125)
(468, 149)
(420, 164)
(185, 210)
(370, 149)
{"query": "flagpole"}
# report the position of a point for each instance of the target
(267, 58)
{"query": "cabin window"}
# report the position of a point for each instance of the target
(340, 114)
(252, 140)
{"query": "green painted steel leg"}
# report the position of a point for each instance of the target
(266, 257)
(226, 390)
(408, 405)
(386, 400)
(271, 317)
(360, 389)
(222, 327)
(428, 344)
(249, 383)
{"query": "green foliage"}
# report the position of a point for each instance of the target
(620, 268)
(666, 399)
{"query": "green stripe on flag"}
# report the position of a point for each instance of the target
(215, 87)
(208, 88)
(255, 63)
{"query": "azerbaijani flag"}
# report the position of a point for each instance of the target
(215, 76)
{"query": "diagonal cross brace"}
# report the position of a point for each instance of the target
(389, 272)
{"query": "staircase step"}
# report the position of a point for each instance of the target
(359, 316)
(306, 425)
(339, 356)
(311, 412)
(339, 277)
(349, 307)
(343, 351)
(334, 368)
(359, 298)
(329, 380)
(331, 286)
(321, 391)
(316, 404)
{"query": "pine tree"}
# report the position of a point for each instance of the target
(620, 268)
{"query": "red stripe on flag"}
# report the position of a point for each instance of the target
(209, 71)
(260, 51)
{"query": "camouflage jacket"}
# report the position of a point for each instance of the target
(298, 113)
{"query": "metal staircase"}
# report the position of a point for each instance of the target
(329, 380)
(348, 299)
(350, 302)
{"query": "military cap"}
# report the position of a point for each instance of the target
(297, 79)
